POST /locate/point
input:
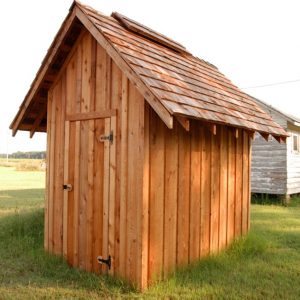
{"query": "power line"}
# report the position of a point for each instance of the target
(272, 84)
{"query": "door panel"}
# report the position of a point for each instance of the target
(87, 216)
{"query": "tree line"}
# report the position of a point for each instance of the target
(30, 154)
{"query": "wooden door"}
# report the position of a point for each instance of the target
(89, 188)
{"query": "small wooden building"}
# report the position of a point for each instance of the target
(276, 167)
(148, 148)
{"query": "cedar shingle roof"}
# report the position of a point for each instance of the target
(185, 85)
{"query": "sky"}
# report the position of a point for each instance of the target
(253, 42)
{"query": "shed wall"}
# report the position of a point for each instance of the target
(91, 82)
(176, 196)
(198, 191)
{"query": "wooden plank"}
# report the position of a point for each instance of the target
(238, 185)
(142, 30)
(106, 194)
(171, 181)
(265, 135)
(71, 82)
(135, 182)
(125, 67)
(101, 97)
(98, 194)
(83, 194)
(196, 144)
(183, 211)
(145, 204)
(223, 188)
(51, 173)
(205, 192)
(90, 193)
(58, 172)
(215, 192)
(231, 187)
(116, 103)
(156, 217)
(86, 73)
(139, 180)
(249, 176)
(92, 80)
(48, 177)
(184, 122)
(78, 80)
(71, 87)
(66, 192)
(91, 115)
(124, 176)
(38, 120)
(112, 195)
(245, 183)
(76, 193)
(70, 179)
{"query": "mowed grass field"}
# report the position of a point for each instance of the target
(263, 265)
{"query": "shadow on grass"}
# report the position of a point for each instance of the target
(23, 260)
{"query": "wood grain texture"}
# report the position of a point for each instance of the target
(171, 192)
(223, 188)
(156, 217)
(215, 192)
(155, 198)
(205, 192)
(196, 148)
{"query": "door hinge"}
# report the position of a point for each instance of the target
(103, 137)
(107, 262)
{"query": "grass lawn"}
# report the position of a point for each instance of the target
(263, 265)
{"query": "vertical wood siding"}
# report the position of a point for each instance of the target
(154, 199)
(199, 192)
(91, 82)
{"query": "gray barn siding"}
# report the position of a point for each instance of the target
(268, 172)
(275, 167)
(293, 166)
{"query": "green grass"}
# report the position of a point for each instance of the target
(263, 265)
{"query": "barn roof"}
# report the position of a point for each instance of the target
(173, 81)
(269, 108)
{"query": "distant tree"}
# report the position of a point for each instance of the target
(29, 154)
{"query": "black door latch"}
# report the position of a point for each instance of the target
(105, 261)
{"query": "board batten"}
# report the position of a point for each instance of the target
(59, 99)
(156, 200)
(223, 188)
(231, 187)
(135, 184)
(195, 197)
(183, 212)
(171, 190)
(48, 174)
(215, 191)
(293, 163)
(238, 184)
(205, 192)
(269, 166)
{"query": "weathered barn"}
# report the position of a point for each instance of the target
(276, 167)
(148, 148)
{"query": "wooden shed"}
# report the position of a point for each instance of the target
(148, 152)
(276, 167)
